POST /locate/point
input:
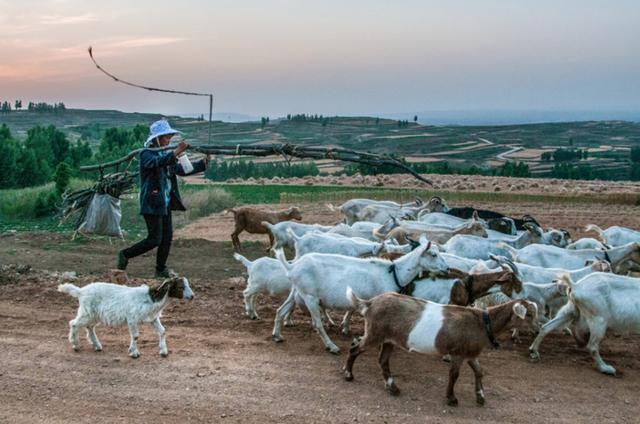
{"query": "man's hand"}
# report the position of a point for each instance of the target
(181, 148)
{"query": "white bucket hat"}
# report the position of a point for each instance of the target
(159, 128)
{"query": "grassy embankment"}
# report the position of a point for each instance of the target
(17, 207)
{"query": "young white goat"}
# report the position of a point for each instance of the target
(321, 279)
(115, 305)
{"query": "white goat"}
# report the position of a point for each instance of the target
(352, 208)
(362, 229)
(282, 236)
(587, 243)
(115, 305)
(314, 242)
(480, 248)
(555, 257)
(267, 276)
(598, 302)
(542, 275)
(322, 279)
(616, 236)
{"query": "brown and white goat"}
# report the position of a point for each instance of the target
(251, 220)
(416, 325)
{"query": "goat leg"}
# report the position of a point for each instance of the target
(383, 360)
(454, 373)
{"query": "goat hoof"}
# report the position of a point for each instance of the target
(393, 390)
(134, 355)
(277, 339)
(534, 356)
(452, 402)
(98, 348)
(289, 324)
(608, 370)
(480, 401)
(335, 350)
(164, 354)
(348, 376)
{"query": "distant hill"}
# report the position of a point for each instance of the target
(607, 142)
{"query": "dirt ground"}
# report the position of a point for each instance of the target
(224, 367)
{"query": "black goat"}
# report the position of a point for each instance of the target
(467, 212)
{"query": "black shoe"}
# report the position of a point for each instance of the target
(122, 261)
(165, 273)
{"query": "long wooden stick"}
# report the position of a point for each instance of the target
(280, 149)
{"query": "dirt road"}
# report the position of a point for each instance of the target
(223, 367)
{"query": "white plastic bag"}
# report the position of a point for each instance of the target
(103, 216)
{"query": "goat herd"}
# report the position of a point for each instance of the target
(432, 279)
(427, 278)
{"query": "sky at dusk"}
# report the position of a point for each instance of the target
(329, 57)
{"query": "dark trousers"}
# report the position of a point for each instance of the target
(159, 234)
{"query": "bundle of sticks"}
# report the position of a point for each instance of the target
(77, 202)
(283, 149)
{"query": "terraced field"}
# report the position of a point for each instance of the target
(608, 142)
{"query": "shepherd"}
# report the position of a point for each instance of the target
(159, 194)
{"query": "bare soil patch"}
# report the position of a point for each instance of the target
(224, 367)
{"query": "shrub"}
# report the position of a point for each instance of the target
(206, 202)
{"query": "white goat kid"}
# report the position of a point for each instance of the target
(115, 305)
(616, 236)
(322, 279)
(598, 302)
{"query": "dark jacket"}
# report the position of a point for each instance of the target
(155, 168)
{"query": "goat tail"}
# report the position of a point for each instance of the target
(593, 227)
(69, 289)
(246, 262)
(360, 305)
(513, 252)
(282, 258)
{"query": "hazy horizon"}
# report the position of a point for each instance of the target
(359, 58)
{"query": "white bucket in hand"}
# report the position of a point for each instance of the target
(185, 163)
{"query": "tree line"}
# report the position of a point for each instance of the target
(221, 170)
(6, 106)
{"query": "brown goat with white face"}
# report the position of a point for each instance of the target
(250, 220)
(419, 326)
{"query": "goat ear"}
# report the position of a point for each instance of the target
(520, 310)
(475, 216)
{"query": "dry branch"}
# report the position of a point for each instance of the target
(286, 150)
